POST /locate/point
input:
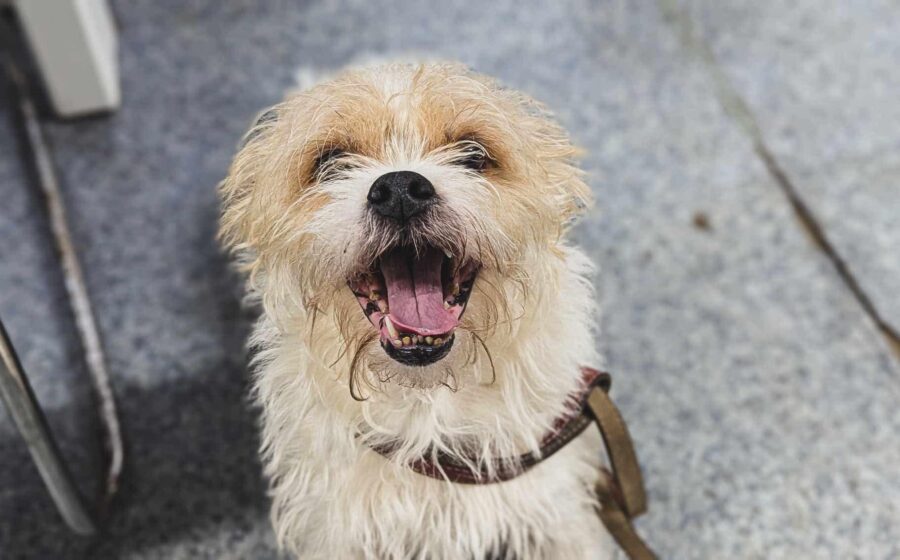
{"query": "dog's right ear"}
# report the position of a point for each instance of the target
(266, 118)
(243, 214)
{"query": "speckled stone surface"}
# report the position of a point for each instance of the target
(761, 398)
(822, 84)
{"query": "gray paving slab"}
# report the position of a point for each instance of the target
(765, 392)
(822, 83)
(760, 396)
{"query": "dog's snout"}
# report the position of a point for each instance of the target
(400, 195)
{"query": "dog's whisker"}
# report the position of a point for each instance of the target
(487, 353)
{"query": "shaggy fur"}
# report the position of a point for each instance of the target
(295, 214)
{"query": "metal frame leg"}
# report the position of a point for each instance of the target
(24, 408)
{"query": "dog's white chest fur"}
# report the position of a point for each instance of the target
(361, 507)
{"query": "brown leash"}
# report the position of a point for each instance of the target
(620, 490)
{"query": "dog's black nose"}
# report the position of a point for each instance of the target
(400, 195)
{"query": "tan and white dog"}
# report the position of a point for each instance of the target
(403, 229)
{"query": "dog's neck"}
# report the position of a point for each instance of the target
(501, 408)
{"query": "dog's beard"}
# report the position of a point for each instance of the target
(371, 369)
(469, 360)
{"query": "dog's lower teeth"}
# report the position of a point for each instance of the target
(406, 340)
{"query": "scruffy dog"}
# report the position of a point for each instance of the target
(402, 228)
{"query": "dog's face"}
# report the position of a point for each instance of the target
(413, 205)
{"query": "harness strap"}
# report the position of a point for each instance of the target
(621, 490)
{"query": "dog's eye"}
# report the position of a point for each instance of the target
(475, 158)
(328, 164)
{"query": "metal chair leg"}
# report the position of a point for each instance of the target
(20, 401)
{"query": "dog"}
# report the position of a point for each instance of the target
(402, 229)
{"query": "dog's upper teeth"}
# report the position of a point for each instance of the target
(382, 306)
(447, 253)
(392, 330)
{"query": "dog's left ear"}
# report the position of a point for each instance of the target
(244, 214)
(564, 174)
(574, 194)
(558, 170)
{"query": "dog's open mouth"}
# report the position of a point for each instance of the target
(415, 298)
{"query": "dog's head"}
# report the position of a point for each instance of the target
(417, 208)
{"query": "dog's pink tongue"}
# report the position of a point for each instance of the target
(415, 293)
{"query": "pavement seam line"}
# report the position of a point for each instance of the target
(738, 109)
